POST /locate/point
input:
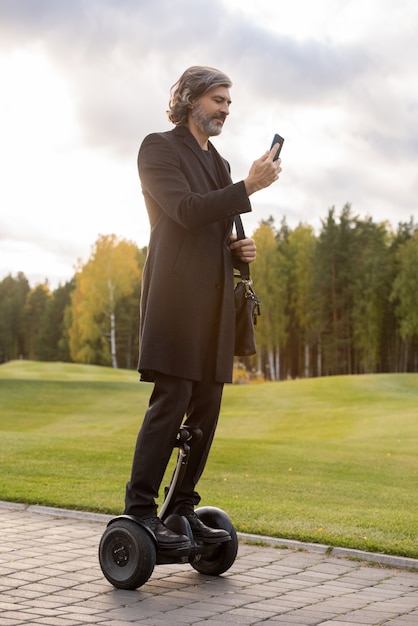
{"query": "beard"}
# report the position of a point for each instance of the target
(206, 122)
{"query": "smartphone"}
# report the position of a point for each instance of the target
(280, 141)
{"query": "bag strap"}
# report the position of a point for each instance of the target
(244, 268)
(224, 175)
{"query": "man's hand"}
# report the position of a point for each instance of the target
(263, 172)
(244, 249)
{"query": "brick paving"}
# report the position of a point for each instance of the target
(50, 575)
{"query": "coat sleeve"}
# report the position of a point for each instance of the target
(172, 181)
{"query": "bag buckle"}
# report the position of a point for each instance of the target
(248, 283)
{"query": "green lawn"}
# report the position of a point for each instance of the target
(329, 460)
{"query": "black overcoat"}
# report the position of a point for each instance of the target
(187, 300)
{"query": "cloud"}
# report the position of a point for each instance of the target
(122, 56)
(337, 79)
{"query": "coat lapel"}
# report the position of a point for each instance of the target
(191, 143)
(221, 166)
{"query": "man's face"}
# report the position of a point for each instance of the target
(210, 110)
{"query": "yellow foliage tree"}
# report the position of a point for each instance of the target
(108, 276)
(270, 284)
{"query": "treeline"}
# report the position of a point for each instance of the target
(91, 319)
(343, 301)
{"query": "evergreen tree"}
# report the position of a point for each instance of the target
(370, 292)
(333, 268)
(53, 339)
(405, 296)
(13, 292)
(303, 306)
(34, 310)
(393, 345)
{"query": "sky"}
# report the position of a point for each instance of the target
(83, 82)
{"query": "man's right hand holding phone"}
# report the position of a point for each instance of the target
(265, 170)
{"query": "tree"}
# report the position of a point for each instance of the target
(110, 275)
(128, 317)
(270, 284)
(303, 314)
(394, 348)
(405, 294)
(34, 310)
(370, 292)
(13, 292)
(53, 339)
(333, 263)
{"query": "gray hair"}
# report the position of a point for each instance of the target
(193, 83)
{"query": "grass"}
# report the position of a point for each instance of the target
(330, 460)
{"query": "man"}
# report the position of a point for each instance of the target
(187, 303)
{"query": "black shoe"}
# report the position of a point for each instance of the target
(201, 532)
(166, 538)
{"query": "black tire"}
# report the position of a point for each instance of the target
(127, 554)
(219, 561)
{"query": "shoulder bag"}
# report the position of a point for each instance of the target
(247, 305)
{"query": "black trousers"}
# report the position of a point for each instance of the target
(172, 401)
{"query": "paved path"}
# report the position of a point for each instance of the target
(50, 575)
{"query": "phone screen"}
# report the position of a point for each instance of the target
(280, 140)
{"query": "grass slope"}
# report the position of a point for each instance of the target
(330, 460)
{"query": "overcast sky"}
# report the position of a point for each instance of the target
(83, 81)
